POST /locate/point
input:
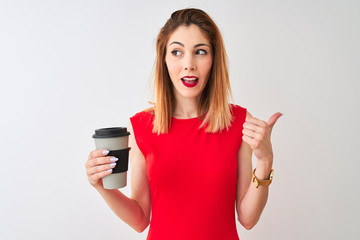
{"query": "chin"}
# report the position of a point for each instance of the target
(187, 93)
(190, 95)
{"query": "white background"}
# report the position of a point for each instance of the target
(69, 67)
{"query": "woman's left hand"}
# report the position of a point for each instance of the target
(257, 134)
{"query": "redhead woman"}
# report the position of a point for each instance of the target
(191, 167)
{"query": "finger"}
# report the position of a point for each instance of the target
(99, 161)
(100, 168)
(252, 142)
(98, 153)
(253, 127)
(273, 119)
(248, 132)
(256, 121)
(95, 177)
(252, 134)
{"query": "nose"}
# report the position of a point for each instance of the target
(189, 67)
(189, 63)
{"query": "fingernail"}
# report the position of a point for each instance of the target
(114, 159)
(112, 164)
(110, 170)
(105, 152)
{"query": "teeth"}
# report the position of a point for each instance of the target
(189, 79)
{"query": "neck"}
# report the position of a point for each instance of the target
(186, 107)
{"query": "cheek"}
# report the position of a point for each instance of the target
(206, 67)
(172, 68)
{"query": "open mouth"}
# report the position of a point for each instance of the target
(190, 82)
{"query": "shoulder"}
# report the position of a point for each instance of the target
(144, 114)
(143, 121)
(238, 111)
(238, 116)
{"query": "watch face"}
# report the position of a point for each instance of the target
(256, 182)
(265, 182)
(271, 174)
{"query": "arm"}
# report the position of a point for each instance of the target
(250, 201)
(135, 211)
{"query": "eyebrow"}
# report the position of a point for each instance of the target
(195, 46)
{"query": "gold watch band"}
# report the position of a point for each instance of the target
(262, 182)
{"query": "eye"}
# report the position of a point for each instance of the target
(175, 52)
(201, 52)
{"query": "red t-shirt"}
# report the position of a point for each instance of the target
(192, 176)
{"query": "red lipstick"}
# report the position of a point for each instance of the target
(190, 81)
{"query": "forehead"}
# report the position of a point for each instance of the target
(189, 35)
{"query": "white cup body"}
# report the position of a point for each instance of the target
(114, 180)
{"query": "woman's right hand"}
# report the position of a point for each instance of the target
(98, 166)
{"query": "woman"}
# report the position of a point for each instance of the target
(191, 153)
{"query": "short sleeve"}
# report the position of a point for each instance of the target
(239, 117)
(142, 127)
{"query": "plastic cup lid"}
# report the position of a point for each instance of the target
(111, 132)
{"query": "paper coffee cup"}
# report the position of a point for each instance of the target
(116, 141)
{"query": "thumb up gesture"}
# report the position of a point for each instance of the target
(257, 134)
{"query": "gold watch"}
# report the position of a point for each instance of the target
(262, 182)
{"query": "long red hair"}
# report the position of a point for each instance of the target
(214, 108)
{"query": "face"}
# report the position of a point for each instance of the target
(189, 60)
